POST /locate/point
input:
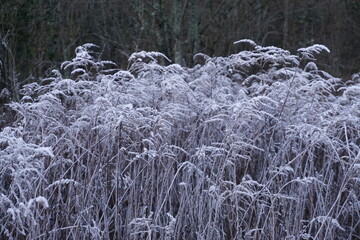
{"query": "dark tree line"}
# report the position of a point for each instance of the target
(39, 34)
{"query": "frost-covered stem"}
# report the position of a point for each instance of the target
(342, 188)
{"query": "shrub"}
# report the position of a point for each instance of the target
(258, 145)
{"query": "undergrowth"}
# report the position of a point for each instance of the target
(257, 145)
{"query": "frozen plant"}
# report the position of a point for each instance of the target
(261, 144)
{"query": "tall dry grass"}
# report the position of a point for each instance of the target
(257, 145)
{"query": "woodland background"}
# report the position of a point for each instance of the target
(37, 35)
